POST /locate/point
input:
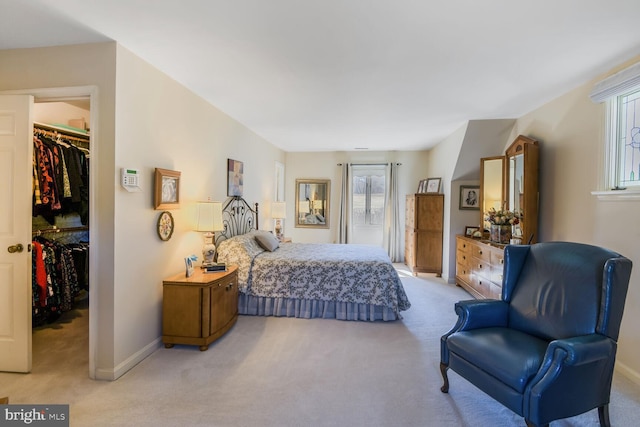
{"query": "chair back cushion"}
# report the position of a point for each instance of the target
(559, 292)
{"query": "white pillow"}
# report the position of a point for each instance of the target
(268, 241)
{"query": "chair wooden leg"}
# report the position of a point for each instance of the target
(443, 371)
(603, 414)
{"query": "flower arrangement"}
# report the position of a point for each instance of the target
(502, 217)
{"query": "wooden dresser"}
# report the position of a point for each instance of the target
(199, 309)
(479, 266)
(424, 217)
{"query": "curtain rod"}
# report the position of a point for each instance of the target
(369, 164)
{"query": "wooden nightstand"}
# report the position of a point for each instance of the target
(198, 310)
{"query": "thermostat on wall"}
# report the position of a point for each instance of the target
(130, 179)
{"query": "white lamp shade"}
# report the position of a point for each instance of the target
(279, 210)
(209, 217)
(303, 206)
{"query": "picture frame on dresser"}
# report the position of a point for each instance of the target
(433, 185)
(470, 229)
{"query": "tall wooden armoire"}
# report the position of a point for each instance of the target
(423, 233)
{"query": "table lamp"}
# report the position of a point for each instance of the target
(209, 221)
(279, 213)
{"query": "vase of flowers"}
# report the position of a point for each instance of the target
(502, 223)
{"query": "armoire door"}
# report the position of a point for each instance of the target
(16, 150)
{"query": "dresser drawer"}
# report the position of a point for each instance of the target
(481, 268)
(463, 246)
(481, 252)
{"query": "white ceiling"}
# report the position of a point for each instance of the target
(336, 75)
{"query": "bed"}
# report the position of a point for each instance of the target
(307, 280)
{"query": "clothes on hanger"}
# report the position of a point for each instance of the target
(60, 179)
(59, 274)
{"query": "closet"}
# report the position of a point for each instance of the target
(60, 222)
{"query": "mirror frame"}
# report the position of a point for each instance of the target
(502, 183)
(304, 195)
(529, 148)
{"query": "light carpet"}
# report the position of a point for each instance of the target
(285, 372)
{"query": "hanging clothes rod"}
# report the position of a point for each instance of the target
(59, 230)
(62, 130)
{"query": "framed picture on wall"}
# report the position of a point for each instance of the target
(469, 197)
(166, 189)
(235, 179)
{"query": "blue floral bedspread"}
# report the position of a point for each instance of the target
(329, 272)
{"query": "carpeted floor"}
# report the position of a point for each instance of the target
(285, 372)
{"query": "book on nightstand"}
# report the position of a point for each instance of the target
(214, 268)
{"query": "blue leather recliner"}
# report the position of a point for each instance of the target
(547, 348)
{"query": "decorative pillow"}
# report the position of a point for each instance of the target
(268, 241)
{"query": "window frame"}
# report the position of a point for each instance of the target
(609, 91)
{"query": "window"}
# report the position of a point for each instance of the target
(621, 92)
(368, 197)
(628, 139)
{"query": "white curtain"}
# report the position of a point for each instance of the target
(393, 235)
(344, 232)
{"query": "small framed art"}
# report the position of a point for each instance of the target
(422, 186)
(235, 179)
(166, 189)
(470, 229)
(433, 185)
(469, 197)
(165, 226)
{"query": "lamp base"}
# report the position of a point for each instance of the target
(208, 250)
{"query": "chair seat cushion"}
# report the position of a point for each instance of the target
(508, 355)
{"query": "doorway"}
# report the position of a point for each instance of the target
(368, 204)
(60, 235)
(85, 96)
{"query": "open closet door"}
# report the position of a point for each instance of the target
(16, 150)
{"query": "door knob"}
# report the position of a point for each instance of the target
(15, 248)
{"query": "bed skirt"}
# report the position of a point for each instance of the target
(309, 309)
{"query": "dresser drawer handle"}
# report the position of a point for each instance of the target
(501, 261)
(480, 252)
(479, 265)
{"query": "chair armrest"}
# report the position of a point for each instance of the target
(475, 314)
(583, 349)
(581, 365)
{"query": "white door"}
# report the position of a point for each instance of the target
(16, 150)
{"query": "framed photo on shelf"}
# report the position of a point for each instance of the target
(469, 197)
(433, 185)
(166, 189)
(470, 229)
(422, 186)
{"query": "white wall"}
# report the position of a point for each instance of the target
(158, 123)
(324, 165)
(83, 65)
(571, 134)
(442, 163)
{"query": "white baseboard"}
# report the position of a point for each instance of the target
(631, 374)
(130, 362)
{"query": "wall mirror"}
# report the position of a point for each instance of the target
(492, 194)
(312, 203)
(522, 186)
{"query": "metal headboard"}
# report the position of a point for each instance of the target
(238, 218)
